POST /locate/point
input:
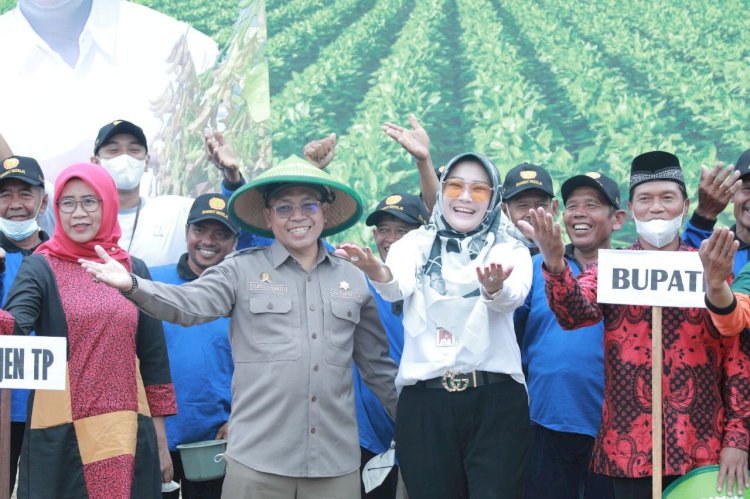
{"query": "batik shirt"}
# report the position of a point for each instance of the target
(704, 380)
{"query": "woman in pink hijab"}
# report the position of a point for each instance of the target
(97, 439)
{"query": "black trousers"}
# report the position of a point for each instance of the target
(387, 489)
(16, 442)
(210, 489)
(638, 488)
(559, 467)
(463, 444)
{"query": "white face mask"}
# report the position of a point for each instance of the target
(125, 170)
(18, 231)
(658, 232)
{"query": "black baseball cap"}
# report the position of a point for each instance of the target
(524, 177)
(406, 207)
(22, 168)
(743, 163)
(211, 207)
(119, 126)
(598, 181)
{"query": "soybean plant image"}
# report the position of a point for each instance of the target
(573, 86)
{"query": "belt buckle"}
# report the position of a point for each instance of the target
(453, 381)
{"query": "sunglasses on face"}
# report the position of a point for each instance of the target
(285, 211)
(455, 187)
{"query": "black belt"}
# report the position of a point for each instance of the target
(455, 381)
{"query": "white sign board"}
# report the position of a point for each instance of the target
(34, 362)
(651, 278)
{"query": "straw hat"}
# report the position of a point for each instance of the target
(247, 203)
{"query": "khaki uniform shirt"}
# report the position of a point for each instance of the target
(293, 335)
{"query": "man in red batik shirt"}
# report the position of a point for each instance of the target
(704, 375)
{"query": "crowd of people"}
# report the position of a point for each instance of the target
(230, 317)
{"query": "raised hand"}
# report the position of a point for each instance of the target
(492, 277)
(111, 272)
(366, 261)
(716, 189)
(222, 156)
(547, 234)
(717, 256)
(321, 152)
(415, 141)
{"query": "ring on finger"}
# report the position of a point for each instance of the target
(354, 259)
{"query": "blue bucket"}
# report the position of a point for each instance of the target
(204, 460)
(699, 483)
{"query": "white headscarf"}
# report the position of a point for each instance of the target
(448, 289)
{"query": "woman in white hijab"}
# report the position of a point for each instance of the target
(463, 425)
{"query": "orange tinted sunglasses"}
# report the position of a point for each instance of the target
(479, 191)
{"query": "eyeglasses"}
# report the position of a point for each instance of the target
(479, 191)
(285, 211)
(68, 205)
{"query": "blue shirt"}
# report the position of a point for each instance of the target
(565, 369)
(19, 398)
(375, 425)
(200, 360)
(698, 228)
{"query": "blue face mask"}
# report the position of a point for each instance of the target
(18, 231)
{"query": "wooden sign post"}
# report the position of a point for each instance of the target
(656, 398)
(656, 279)
(30, 362)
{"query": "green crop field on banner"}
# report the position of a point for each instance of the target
(574, 86)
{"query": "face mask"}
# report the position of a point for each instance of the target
(18, 231)
(125, 170)
(657, 232)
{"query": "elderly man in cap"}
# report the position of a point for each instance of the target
(299, 315)
(395, 216)
(203, 395)
(565, 401)
(704, 417)
(22, 202)
(527, 187)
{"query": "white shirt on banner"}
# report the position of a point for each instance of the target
(52, 111)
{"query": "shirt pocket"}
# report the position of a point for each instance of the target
(340, 332)
(273, 330)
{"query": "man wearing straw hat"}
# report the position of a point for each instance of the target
(702, 372)
(299, 315)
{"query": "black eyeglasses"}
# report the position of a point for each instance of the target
(68, 205)
(285, 211)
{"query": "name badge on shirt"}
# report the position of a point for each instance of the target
(444, 338)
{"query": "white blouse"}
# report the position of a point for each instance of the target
(450, 332)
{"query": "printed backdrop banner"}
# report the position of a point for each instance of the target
(173, 68)
(572, 86)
